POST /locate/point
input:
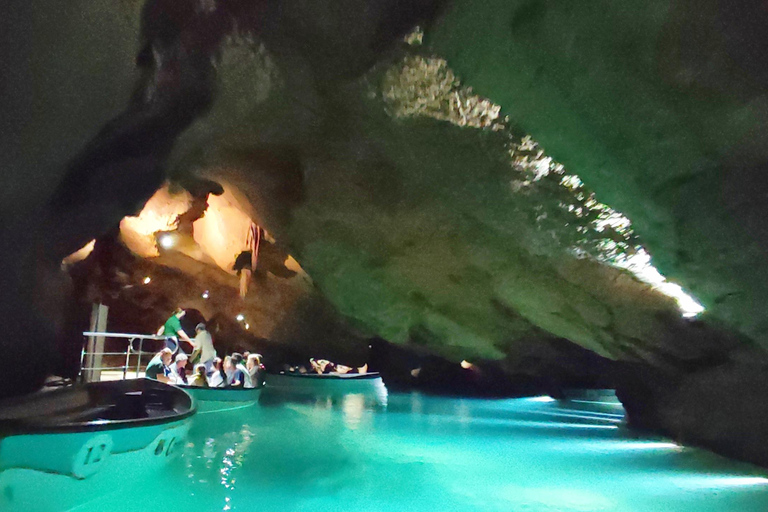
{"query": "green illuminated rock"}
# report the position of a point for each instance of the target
(660, 107)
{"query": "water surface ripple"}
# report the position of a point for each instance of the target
(422, 453)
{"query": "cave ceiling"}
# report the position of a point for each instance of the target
(396, 169)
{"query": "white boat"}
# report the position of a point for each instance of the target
(327, 383)
(220, 399)
(80, 442)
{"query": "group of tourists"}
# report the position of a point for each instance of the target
(324, 366)
(237, 370)
(170, 364)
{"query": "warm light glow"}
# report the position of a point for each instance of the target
(221, 232)
(466, 364)
(160, 214)
(166, 241)
(205, 294)
(80, 254)
(240, 317)
(147, 280)
(247, 326)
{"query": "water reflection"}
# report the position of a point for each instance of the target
(421, 453)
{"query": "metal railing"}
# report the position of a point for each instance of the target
(90, 360)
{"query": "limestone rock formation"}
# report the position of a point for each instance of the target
(659, 107)
(416, 225)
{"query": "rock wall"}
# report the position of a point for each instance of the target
(660, 107)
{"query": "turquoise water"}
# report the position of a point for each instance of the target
(422, 453)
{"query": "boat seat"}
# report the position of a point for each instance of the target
(130, 405)
(77, 415)
(43, 405)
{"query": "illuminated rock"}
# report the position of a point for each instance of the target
(418, 230)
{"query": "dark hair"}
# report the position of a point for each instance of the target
(237, 358)
(200, 327)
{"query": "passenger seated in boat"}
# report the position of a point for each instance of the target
(317, 365)
(218, 378)
(255, 369)
(198, 378)
(340, 368)
(229, 370)
(178, 369)
(157, 368)
(241, 378)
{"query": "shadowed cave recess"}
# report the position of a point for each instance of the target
(436, 182)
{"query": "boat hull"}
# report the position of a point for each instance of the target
(221, 399)
(82, 442)
(66, 487)
(327, 384)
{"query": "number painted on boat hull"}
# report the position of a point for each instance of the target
(92, 456)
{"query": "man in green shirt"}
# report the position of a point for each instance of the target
(158, 367)
(173, 332)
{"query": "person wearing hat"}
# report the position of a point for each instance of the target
(204, 343)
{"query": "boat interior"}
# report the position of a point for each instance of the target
(93, 404)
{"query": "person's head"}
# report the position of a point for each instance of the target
(181, 360)
(227, 364)
(179, 313)
(253, 361)
(246, 355)
(200, 370)
(237, 358)
(166, 355)
(200, 327)
(217, 363)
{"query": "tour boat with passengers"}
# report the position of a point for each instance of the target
(325, 383)
(78, 442)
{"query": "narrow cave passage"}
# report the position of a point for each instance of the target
(470, 207)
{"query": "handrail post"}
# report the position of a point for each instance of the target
(127, 360)
(138, 358)
(99, 314)
(81, 375)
